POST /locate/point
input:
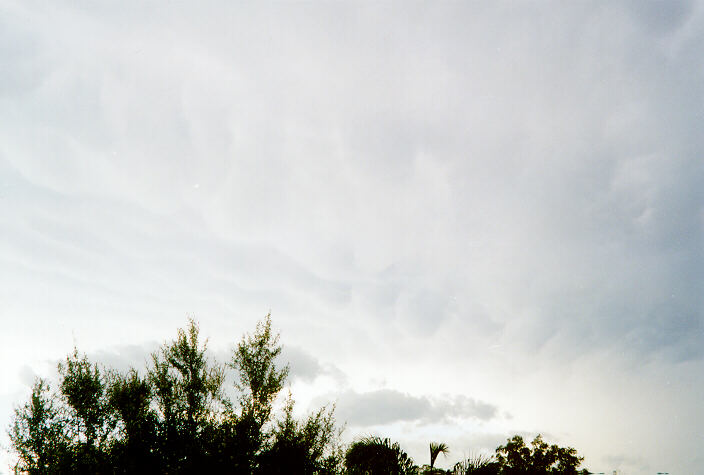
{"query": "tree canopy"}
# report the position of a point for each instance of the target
(176, 418)
(516, 458)
(374, 455)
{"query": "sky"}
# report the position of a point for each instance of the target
(468, 219)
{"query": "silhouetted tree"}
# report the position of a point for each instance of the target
(259, 378)
(435, 450)
(307, 447)
(259, 382)
(540, 458)
(187, 387)
(89, 420)
(135, 449)
(377, 456)
(36, 434)
(476, 465)
(175, 419)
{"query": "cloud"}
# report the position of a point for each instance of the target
(302, 365)
(27, 376)
(576, 215)
(386, 406)
(127, 357)
(659, 19)
(306, 367)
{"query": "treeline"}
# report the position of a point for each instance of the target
(177, 419)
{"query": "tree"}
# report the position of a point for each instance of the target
(36, 434)
(476, 465)
(540, 458)
(83, 388)
(187, 387)
(259, 378)
(187, 384)
(135, 448)
(435, 450)
(259, 382)
(306, 447)
(175, 419)
(377, 456)
(89, 421)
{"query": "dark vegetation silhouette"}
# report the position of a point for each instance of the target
(516, 458)
(177, 419)
(435, 450)
(374, 455)
(476, 465)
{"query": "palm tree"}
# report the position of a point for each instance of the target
(377, 456)
(435, 450)
(476, 465)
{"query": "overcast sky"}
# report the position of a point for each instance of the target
(468, 220)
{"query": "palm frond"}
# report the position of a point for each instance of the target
(437, 449)
(474, 464)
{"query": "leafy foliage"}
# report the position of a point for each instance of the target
(130, 397)
(260, 379)
(308, 446)
(83, 389)
(516, 458)
(476, 465)
(36, 433)
(377, 456)
(437, 449)
(175, 419)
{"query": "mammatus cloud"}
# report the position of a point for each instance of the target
(477, 170)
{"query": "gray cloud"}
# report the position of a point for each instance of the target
(386, 406)
(27, 376)
(124, 358)
(660, 18)
(306, 367)
(302, 365)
